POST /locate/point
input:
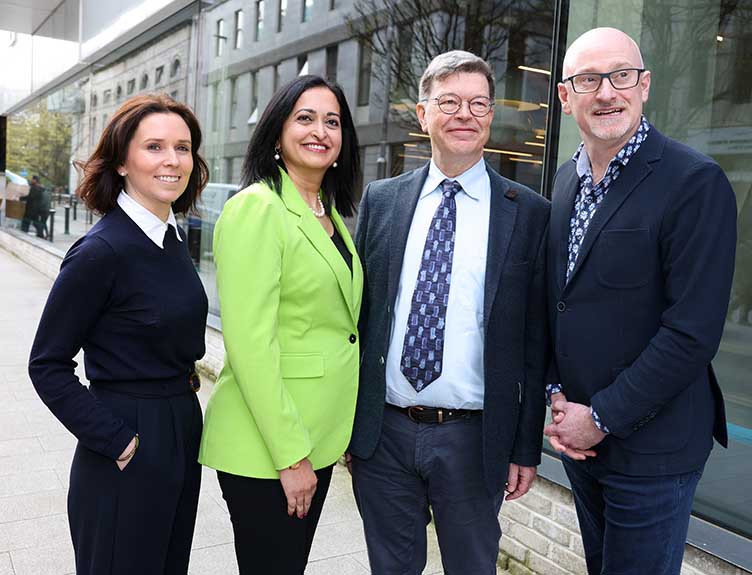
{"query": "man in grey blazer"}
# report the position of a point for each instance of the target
(453, 339)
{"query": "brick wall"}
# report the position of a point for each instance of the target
(540, 531)
(541, 536)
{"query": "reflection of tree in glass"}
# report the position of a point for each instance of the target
(700, 54)
(695, 51)
(504, 33)
(740, 307)
(39, 142)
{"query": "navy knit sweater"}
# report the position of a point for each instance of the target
(138, 312)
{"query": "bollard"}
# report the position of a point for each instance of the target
(89, 217)
(67, 221)
(51, 234)
(75, 205)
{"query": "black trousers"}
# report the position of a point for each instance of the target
(267, 540)
(139, 520)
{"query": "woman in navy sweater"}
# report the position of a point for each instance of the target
(128, 294)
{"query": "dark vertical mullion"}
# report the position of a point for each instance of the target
(553, 120)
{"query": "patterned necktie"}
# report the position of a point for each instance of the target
(423, 349)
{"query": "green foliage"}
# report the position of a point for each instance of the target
(39, 141)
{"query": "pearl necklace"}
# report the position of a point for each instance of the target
(320, 212)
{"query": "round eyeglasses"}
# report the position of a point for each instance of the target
(451, 103)
(590, 82)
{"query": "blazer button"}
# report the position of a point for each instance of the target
(352, 338)
(381, 360)
(561, 306)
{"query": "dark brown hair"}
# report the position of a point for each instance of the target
(101, 182)
(260, 165)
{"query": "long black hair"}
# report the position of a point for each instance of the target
(260, 166)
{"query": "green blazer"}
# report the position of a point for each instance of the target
(289, 307)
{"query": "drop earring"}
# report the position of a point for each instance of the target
(276, 153)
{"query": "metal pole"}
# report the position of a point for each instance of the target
(51, 232)
(3, 144)
(3, 198)
(381, 162)
(74, 201)
(67, 221)
(553, 119)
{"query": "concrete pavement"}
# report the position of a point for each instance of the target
(35, 455)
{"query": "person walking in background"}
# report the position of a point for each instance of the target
(35, 208)
(289, 284)
(451, 404)
(128, 294)
(640, 261)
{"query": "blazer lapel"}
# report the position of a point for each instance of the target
(500, 226)
(315, 233)
(565, 189)
(356, 281)
(635, 172)
(403, 208)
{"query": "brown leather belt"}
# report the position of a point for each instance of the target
(423, 414)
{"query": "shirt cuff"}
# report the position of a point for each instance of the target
(598, 423)
(552, 388)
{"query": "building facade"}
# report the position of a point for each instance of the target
(227, 58)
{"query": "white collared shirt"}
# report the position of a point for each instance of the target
(151, 225)
(460, 385)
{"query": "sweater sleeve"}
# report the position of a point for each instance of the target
(249, 244)
(77, 301)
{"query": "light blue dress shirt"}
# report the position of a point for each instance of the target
(460, 385)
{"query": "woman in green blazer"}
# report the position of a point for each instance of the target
(289, 284)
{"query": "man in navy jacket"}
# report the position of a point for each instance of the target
(640, 262)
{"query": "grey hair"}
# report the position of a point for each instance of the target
(452, 62)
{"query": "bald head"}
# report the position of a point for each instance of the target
(608, 114)
(601, 41)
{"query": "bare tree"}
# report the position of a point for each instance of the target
(497, 31)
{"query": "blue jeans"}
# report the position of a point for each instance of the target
(424, 468)
(631, 525)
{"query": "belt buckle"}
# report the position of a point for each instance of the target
(194, 381)
(414, 409)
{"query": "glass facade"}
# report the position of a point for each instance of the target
(221, 59)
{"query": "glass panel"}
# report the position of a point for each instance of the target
(364, 74)
(514, 37)
(307, 10)
(332, 55)
(65, 126)
(700, 55)
(220, 37)
(238, 29)
(42, 139)
(259, 19)
(281, 13)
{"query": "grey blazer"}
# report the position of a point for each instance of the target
(516, 335)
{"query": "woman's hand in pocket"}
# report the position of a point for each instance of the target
(128, 453)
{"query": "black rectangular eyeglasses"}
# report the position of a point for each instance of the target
(589, 82)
